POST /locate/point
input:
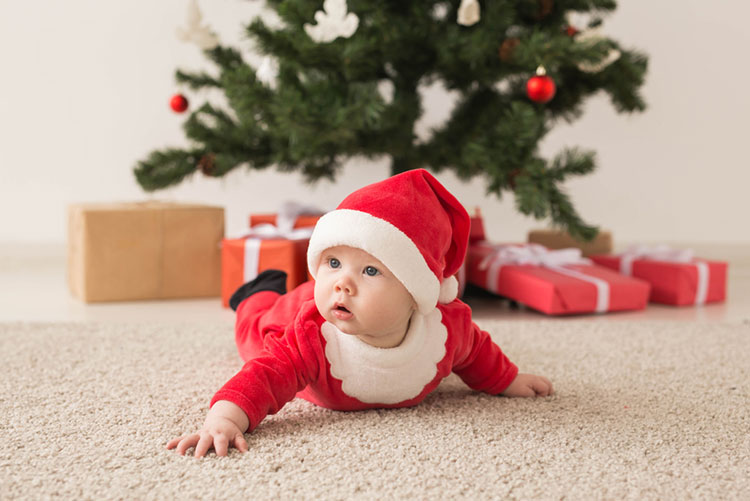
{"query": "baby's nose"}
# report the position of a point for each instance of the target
(345, 285)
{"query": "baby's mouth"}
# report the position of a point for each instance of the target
(341, 312)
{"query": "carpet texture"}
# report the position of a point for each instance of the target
(642, 411)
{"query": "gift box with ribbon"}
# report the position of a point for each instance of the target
(291, 216)
(675, 275)
(555, 282)
(279, 246)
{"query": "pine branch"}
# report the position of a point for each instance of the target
(166, 168)
(538, 195)
(196, 81)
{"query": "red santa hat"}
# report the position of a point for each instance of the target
(412, 224)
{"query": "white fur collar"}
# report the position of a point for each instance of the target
(387, 375)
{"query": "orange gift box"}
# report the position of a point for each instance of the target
(242, 259)
(556, 290)
(676, 283)
(302, 221)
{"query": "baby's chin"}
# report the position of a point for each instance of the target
(344, 326)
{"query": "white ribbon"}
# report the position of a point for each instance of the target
(283, 229)
(538, 255)
(254, 239)
(670, 255)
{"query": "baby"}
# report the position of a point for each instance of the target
(380, 326)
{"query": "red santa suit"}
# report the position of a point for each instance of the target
(290, 350)
(417, 229)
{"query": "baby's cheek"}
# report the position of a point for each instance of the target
(318, 295)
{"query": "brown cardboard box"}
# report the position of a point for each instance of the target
(147, 250)
(558, 239)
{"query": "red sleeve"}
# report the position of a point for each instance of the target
(478, 361)
(286, 366)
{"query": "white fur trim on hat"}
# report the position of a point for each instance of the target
(384, 241)
(448, 290)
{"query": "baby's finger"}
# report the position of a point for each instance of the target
(551, 390)
(221, 444)
(203, 445)
(542, 387)
(240, 443)
(186, 443)
(173, 443)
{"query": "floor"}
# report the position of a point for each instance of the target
(34, 288)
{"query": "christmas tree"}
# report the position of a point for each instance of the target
(343, 78)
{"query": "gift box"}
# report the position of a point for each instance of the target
(476, 232)
(146, 250)
(676, 276)
(555, 282)
(301, 221)
(559, 239)
(266, 246)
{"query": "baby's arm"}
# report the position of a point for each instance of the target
(483, 366)
(224, 427)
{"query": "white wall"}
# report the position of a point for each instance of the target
(85, 84)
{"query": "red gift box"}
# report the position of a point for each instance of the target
(302, 220)
(264, 248)
(476, 231)
(692, 281)
(552, 288)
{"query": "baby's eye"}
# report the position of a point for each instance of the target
(334, 263)
(371, 271)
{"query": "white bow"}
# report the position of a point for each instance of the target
(533, 254)
(668, 254)
(284, 227)
(270, 231)
(538, 255)
(660, 253)
(653, 253)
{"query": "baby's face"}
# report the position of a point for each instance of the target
(356, 292)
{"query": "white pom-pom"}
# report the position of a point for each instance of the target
(448, 290)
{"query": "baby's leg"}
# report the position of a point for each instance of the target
(253, 301)
(249, 328)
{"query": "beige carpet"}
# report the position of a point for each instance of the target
(642, 411)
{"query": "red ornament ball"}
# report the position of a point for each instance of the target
(571, 31)
(540, 88)
(178, 103)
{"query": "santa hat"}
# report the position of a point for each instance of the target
(412, 224)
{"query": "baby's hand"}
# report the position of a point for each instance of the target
(223, 428)
(529, 385)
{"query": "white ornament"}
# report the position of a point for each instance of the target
(612, 56)
(195, 32)
(591, 37)
(440, 11)
(333, 22)
(468, 12)
(268, 71)
(386, 90)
